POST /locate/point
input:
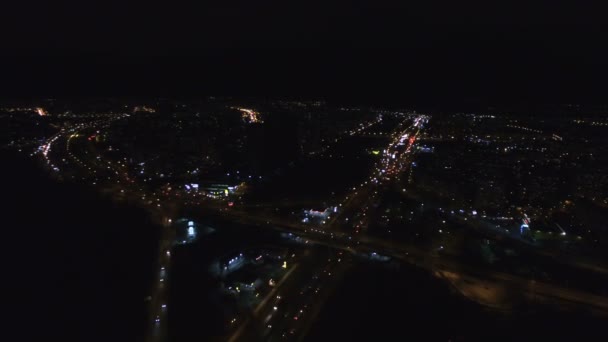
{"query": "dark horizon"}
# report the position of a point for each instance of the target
(372, 53)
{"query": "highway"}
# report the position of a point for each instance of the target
(290, 309)
(299, 296)
(342, 233)
(158, 301)
(295, 319)
(483, 285)
(266, 308)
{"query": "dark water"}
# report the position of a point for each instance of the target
(376, 304)
(76, 266)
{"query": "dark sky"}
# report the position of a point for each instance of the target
(371, 50)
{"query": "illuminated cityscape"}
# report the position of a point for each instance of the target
(236, 171)
(277, 214)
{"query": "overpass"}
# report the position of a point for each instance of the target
(444, 266)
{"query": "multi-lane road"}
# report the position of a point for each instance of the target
(291, 307)
(485, 286)
(302, 298)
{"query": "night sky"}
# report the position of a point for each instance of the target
(379, 52)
